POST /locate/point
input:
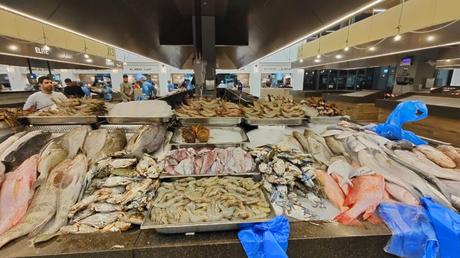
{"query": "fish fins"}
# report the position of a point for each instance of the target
(344, 219)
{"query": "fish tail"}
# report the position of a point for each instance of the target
(344, 218)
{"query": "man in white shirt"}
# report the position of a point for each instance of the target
(43, 98)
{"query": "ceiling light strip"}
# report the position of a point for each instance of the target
(347, 16)
(385, 54)
(11, 10)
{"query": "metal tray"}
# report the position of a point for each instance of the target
(204, 226)
(136, 120)
(213, 141)
(274, 121)
(61, 120)
(127, 128)
(210, 120)
(56, 129)
(328, 119)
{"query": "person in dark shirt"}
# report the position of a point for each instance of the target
(72, 89)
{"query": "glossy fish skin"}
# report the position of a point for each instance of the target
(17, 192)
(41, 210)
(331, 189)
(23, 148)
(400, 194)
(436, 156)
(101, 143)
(51, 155)
(69, 183)
(73, 140)
(147, 139)
(4, 146)
(364, 197)
(451, 152)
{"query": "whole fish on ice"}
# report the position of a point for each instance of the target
(436, 156)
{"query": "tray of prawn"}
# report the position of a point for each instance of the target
(210, 120)
(206, 161)
(213, 203)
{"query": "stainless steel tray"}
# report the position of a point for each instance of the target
(57, 129)
(328, 119)
(61, 120)
(210, 120)
(204, 226)
(136, 120)
(214, 140)
(128, 128)
(275, 121)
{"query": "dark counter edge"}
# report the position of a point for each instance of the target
(306, 240)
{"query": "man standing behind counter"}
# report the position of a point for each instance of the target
(126, 91)
(43, 98)
(72, 89)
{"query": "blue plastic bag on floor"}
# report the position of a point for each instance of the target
(446, 224)
(407, 111)
(412, 233)
(265, 240)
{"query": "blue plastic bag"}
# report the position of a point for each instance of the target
(446, 224)
(412, 233)
(407, 111)
(265, 240)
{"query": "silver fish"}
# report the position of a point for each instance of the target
(50, 156)
(73, 140)
(342, 169)
(147, 139)
(101, 143)
(100, 220)
(69, 183)
(77, 229)
(337, 147)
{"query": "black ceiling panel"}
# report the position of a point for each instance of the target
(163, 30)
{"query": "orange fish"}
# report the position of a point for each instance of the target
(331, 189)
(17, 192)
(365, 195)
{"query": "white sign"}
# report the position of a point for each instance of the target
(42, 50)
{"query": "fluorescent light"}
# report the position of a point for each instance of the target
(338, 56)
(89, 60)
(317, 60)
(372, 48)
(301, 60)
(388, 54)
(11, 10)
(46, 47)
(345, 17)
(430, 38)
(346, 49)
(124, 63)
(379, 10)
(47, 59)
(448, 60)
(13, 47)
(397, 38)
(318, 56)
(86, 55)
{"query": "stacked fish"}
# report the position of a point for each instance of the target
(208, 108)
(232, 160)
(362, 173)
(289, 175)
(279, 108)
(318, 106)
(63, 179)
(75, 107)
(116, 196)
(210, 199)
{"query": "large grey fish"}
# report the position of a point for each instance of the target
(23, 148)
(41, 209)
(8, 142)
(101, 143)
(318, 147)
(147, 139)
(73, 140)
(337, 147)
(50, 156)
(69, 183)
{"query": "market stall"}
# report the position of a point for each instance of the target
(145, 178)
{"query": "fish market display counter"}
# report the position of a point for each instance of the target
(443, 116)
(359, 105)
(14, 98)
(176, 98)
(306, 240)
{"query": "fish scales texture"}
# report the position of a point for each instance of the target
(70, 183)
(41, 210)
(16, 193)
